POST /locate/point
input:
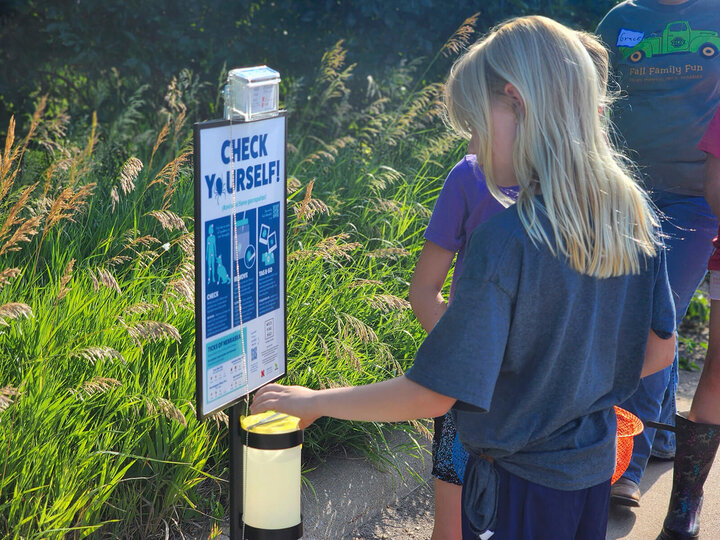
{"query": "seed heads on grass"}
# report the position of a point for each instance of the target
(381, 206)
(7, 394)
(168, 176)
(24, 233)
(129, 173)
(308, 207)
(96, 385)
(422, 211)
(106, 279)
(12, 214)
(345, 351)
(150, 331)
(160, 139)
(437, 146)
(462, 36)
(7, 275)
(187, 244)
(14, 310)
(361, 282)
(169, 172)
(385, 177)
(183, 289)
(67, 204)
(6, 161)
(327, 152)
(169, 220)
(165, 407)
(293, 184)
(187, 270)
(95, 354)
(118, 260)
(63, 289)
(219, 418)
(393, 253)
(389, 302)
(14, 156)
(422, 428)
(329, 248)
(141, 307)
(146, 241)
(350, 327)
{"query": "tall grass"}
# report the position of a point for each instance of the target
(98, 434)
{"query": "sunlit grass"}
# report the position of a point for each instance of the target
(98, 430)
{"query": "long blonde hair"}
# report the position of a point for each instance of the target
(602, 221)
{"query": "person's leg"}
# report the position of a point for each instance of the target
(695, 227)
(594, 519)
(698, 437)
(706, 402)
(447, 510)
(697, 446)
(447, 485)
(689, 226)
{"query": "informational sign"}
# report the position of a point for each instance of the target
(240, 202)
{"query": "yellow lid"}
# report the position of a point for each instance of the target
(270, 423)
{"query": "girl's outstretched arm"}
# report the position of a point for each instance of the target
(426, 285)
(394, 400)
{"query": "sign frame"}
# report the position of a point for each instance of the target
(199, 227)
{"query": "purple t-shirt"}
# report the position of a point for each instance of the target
(464, 202)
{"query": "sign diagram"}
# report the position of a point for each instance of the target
(240, 258)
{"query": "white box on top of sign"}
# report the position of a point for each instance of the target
(252, 93)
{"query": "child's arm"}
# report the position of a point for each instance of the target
(659, 354)
(426, 285)
(394, 400)
(712, 183)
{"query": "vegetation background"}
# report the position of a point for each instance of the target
(98, 434)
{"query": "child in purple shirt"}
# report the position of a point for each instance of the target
(462, 205)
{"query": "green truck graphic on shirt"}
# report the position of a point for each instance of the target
(677, 37)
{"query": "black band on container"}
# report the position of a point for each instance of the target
(291, 533)
(272, 441)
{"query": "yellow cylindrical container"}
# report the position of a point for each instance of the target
(271, 496)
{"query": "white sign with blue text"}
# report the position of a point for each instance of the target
(240, 258)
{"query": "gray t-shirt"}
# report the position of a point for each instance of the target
(537, 354)
(666, 59)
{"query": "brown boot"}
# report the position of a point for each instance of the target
(625, 492)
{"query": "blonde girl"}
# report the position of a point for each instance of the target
(464, 202)
(562, 306)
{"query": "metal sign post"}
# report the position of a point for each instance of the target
(240, 257)
(236, 473)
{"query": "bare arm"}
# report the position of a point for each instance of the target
(712, 183)
(394, 400)
(659, 354)
(426, 297)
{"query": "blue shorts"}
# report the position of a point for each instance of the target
(529, 511)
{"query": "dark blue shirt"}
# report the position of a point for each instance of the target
(537, 354)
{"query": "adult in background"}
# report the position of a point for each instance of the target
(665, 57)
(698, 434)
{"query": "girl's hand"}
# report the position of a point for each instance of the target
(294, 400)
